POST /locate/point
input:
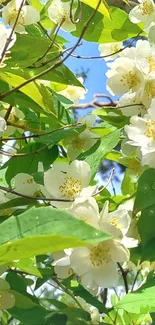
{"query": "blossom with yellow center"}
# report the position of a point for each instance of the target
(28, 15)
(143, 12)
(74, 93)
(64, 181)
(59, 13)
(141, 133)
(109, 48)
(24, 184)
(124, 76)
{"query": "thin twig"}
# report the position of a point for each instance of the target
(135, 279)
(12, 31)
(10, 190)
(124, 277)
(43, 134)
(68, 292)
(8, 113)
(53, 41)
(58, 63)
(90, 57)
(79, 15)
(106, 185)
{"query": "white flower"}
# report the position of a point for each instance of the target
(68, 181)
(61, 264)
(83, 141)
(58, 12)
(28, 15)
(145, 56)
(74, 93)
(124, 76)
(143, 12)
(87, 210)
(131, 104)
(109, 48)
(141, 133)
(149, 90)
(118, 219)
(96, 265)
(24, 184)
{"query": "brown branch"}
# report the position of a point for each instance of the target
(12, 31)
(124, 278)
(42, 134)
(95, 103)
(58, 63)
(10, 190)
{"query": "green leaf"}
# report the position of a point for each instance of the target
(107, 143)
(105, 30)
(145, 196)
(31, 90)
(21, 53)
(41, 230)
(113, 116)
(139, 302)
(29, 164)
(27, 265)
(103, 8)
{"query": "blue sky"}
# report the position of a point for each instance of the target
(96, 81)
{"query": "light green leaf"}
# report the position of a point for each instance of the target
(103, 8)
(140, 302)
(106, 145)
(41, 230)
(105, 30)
(27, 265)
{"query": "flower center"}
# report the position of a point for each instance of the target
(77, 143)
(29, 181)
(71, 187)
(100, 254)
(150, 131)
(131, 79)
(150, 89)
(64, 15)
(146, 8)
(12, 16)
(114, 222)
(151, 62)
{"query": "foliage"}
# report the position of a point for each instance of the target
(71, 251)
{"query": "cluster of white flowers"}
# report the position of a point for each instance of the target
(96, 264)
(132, 75)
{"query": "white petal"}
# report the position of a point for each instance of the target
(106, 276)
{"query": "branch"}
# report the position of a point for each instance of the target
(10, 190)
(58, 63)
(12, 31)
(124, 278)
(95, 103)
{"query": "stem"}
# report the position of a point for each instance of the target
(124, 278)
(68, 292)
(8, 113)
(58, 63)
(12, 31)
